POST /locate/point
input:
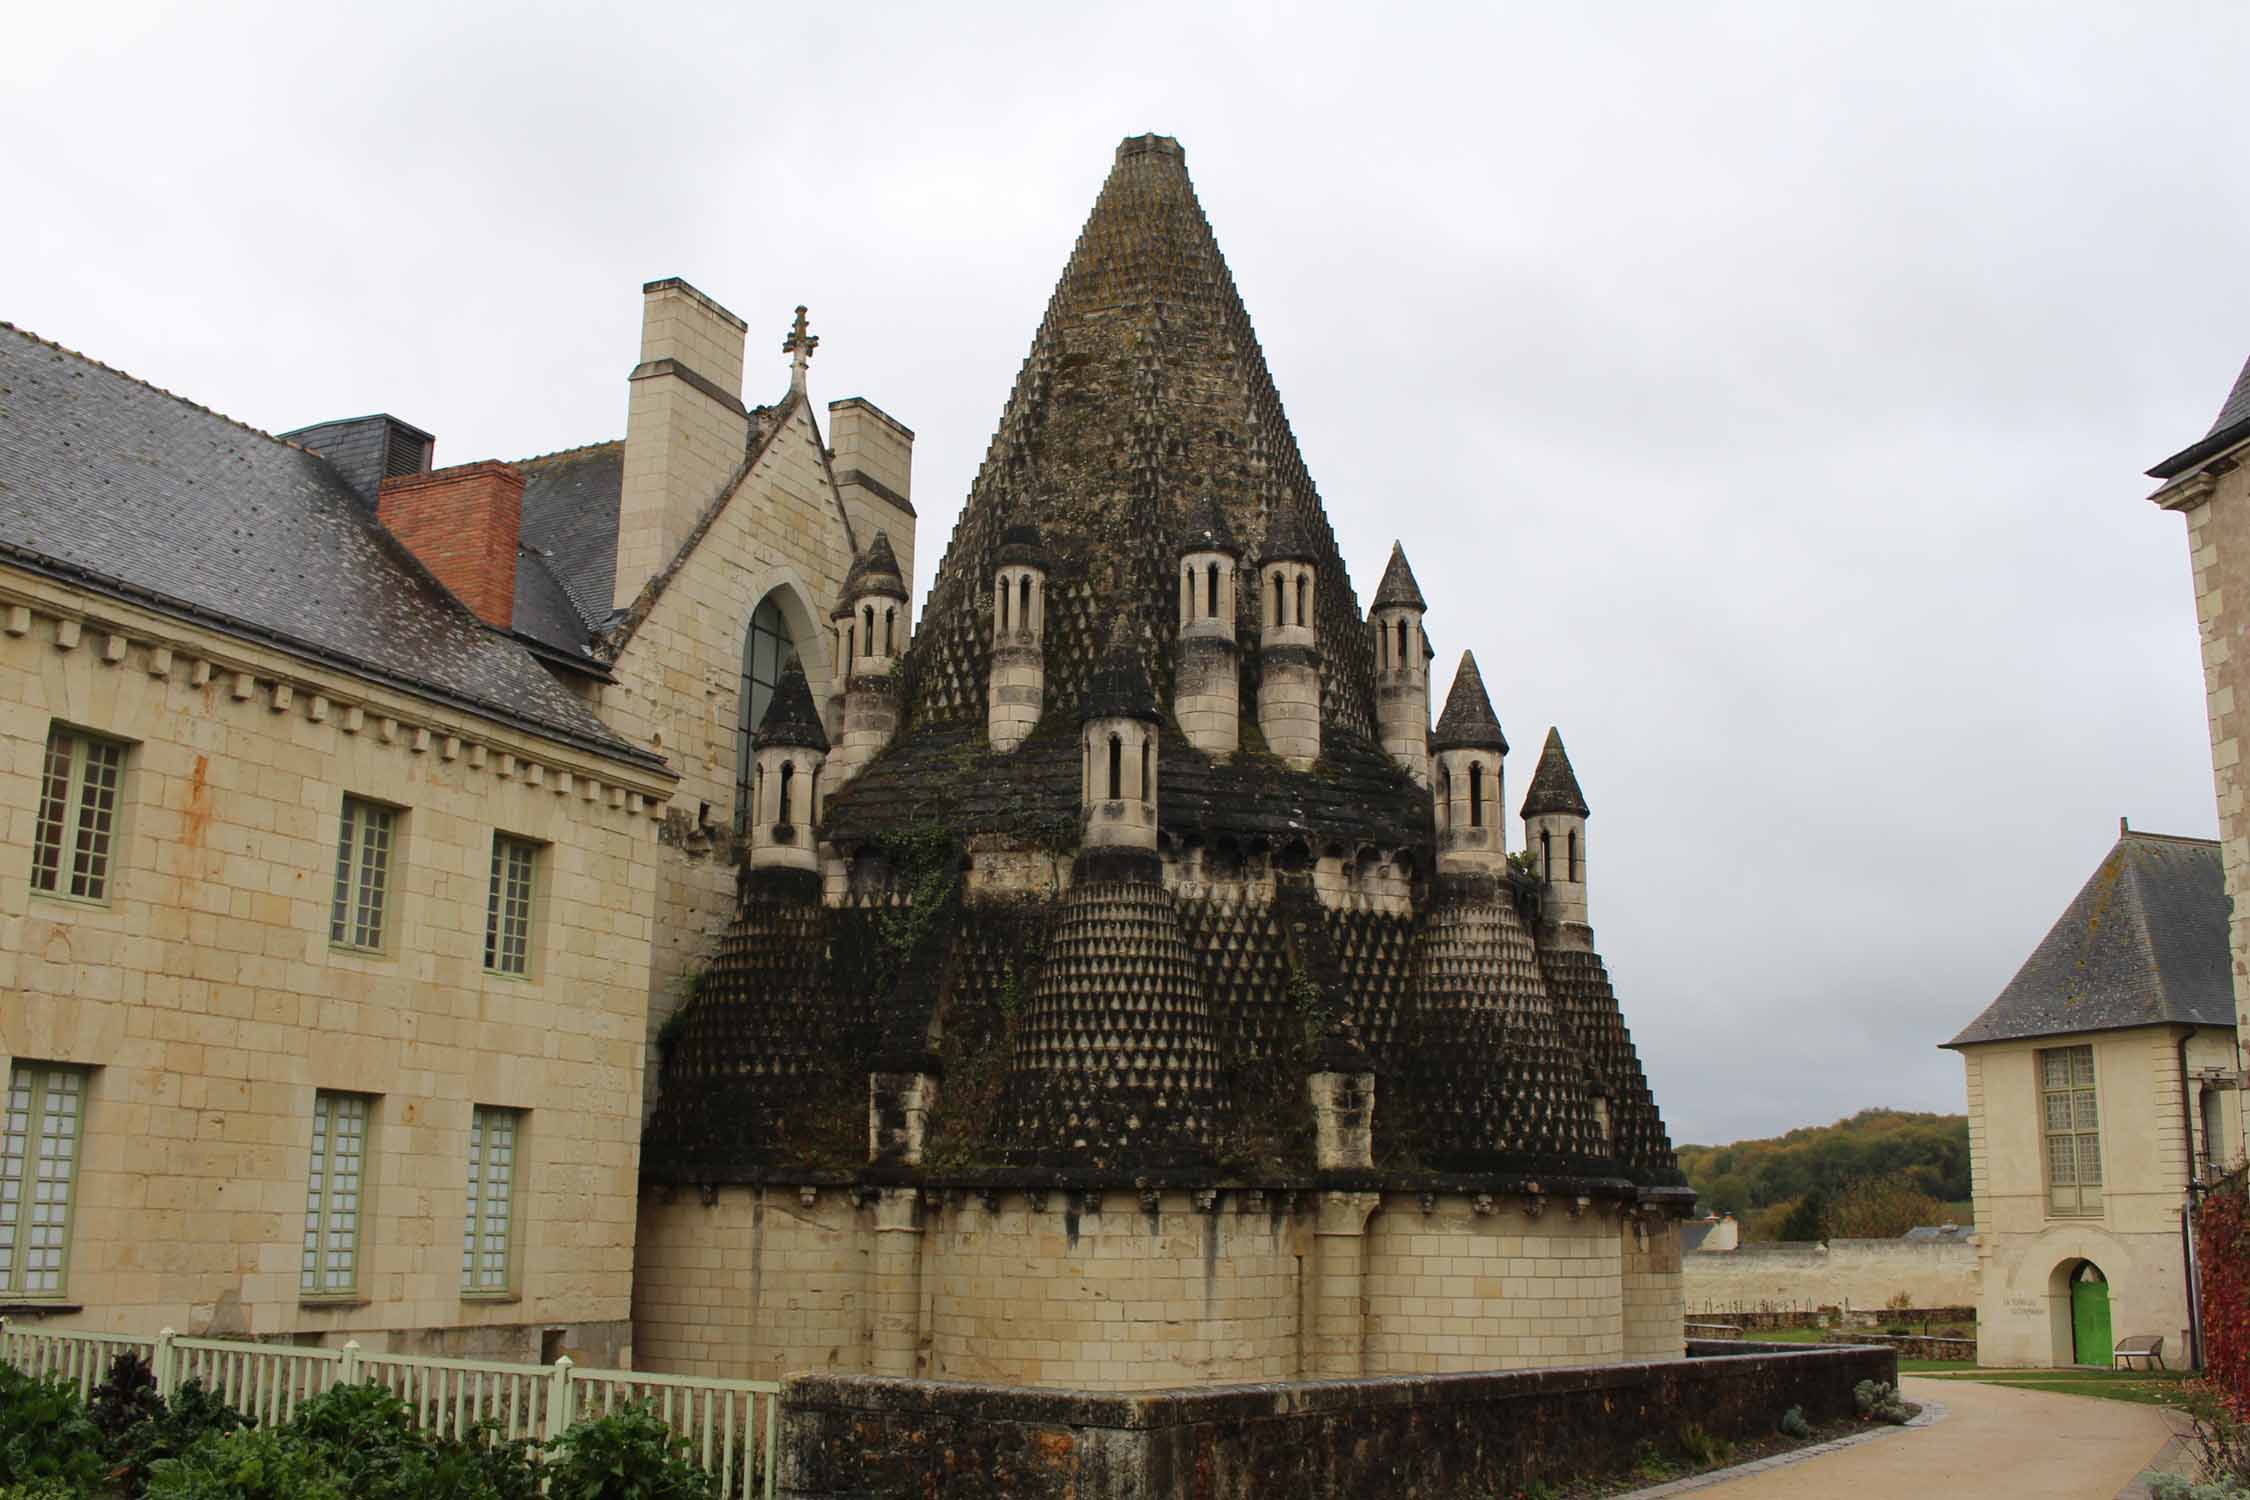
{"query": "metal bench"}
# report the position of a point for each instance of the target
(2148, 1348)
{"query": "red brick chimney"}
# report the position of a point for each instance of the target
(463, 523)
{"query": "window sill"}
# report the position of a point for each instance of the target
(511, 978)
(333, 1301)
(365, 955)
(492, 1296)
(80, 903)
(38, 1309)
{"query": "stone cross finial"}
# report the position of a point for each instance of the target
(800, 346)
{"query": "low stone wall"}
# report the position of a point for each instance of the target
(1431, 1435)
(1911, 1345)
(1802, 1277)
(1834, 1317)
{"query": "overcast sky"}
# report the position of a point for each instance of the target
(1761, 391)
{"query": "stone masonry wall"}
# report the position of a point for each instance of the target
(1455, 1289)
(1843, 1273)
(1441, 1435)
(1654, 1291)
(207, 1005)
(754, 1285)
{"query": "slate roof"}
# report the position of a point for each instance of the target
(569, 536)
(2231, 426)
(109, 483)
(1119, 687)
(1694, 1232)
(1554, 786)
(791, 718)
(1468, 722)
(1398, 586)
(1209, 531)
(1288, 539)
(874, 571)
(2144, 943)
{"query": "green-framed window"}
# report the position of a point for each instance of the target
(488, 1235)
(74, 836)
(2071, 1115)
(365, 841)
(40, 1135)
(508, 907)
(333, 1196)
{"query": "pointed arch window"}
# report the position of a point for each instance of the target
(1280, 613)
(788, 788)
(1003, 605)
(1304, 587)
(1116, 768)
(1574, 875)
(1212, 600)
(1144, 769)
(1404, 663)
(1187, 594)
(870, 622)
(1546, 855)
(767, 648)
(1023, 603)
(1476, 795)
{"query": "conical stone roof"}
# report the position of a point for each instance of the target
(875, 571)
(1209, 532)
(1119, 688)
(1554, 786)
(1468, 722)
(790, 717)
(1288, 539)
(1398, 586)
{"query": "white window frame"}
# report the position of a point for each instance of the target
(42, 1139)
(488, 1230)
(336, 1197)
(360, 908)
(74, 835)
(2071, 1149)
(511, 909)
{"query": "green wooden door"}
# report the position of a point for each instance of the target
(2089, 1318)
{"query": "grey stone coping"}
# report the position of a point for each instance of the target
(1932, 1412)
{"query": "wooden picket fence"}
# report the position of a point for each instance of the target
(728, 1425)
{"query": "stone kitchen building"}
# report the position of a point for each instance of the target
(1127, 985)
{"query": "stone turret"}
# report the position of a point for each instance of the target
(1288, 643)
(1402, 668)
(1119, 724)
(1017, 687)
(1554, 828)
(1207, 672)
(788, 752)
(1469, 747)
(871, 628)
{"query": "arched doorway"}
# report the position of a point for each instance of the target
(2090, 1342)
(767, 647)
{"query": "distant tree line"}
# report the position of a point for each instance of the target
(1875, 1175)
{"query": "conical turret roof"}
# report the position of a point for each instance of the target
(1020, 544)
(1288, 539)
(1209, 532)
(875, 571)
(1398, 586)
(1468, 722)
(790, 717)
(1145, 394)
(1554, 786)
(1119, 688)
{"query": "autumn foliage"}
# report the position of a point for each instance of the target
(2222, 1247)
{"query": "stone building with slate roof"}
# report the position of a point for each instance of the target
(1151, 998)
(326, 918)
(2101, 1083)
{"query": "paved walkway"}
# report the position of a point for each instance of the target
(1993, 1443)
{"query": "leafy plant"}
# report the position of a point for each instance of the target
(2218, 1434)
(273, 1464)
(2180, 1487)
(45, 1434)
(1793, 1423)
(1702, 1448)
(1878, 1401)
(2222, 1244)
(165, 1429)
(625, 1455)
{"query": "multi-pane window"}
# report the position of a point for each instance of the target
(507, 912)
(488, 1235)
(332, 1196)
(363, 874)
(39, 1137)
(2074, 1143)
(765, 651)
(77, 825)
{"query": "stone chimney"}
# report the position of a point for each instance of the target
(1207, 668)
(1016, 689)
(1402, 668)
(686, 431)
(463, 523)
(872, 454)
(1470, 751)
(1288, 642)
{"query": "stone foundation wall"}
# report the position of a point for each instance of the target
(1115, 1290)
(1843, 1273)
(1441, 1435)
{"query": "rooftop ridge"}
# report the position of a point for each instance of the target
(150, 385)
(540, 458)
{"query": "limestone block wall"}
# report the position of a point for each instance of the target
(1843, 1273)
(1655, 1312)
(754, 1285)
(207, 1006)
(1452, 1288)
(679, 683)
(1207, 693)
(1118, 1297)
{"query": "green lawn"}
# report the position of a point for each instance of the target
(2147, 1387)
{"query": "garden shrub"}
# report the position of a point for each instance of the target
(45, 1436)
(1878, 1401)
(249, 1465)
(626, 1455)
(2222, 1247)
(1793, 1423)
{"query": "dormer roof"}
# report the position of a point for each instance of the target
(1554, 786)
(1468, 722)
